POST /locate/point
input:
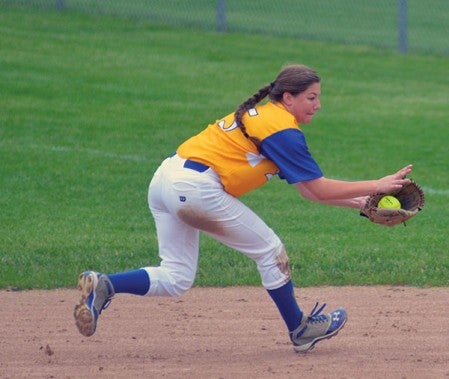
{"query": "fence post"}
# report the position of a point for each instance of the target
(402, 26)
(60, 5)
(221, 15)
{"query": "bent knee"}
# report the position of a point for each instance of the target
(179, 286)
(275, 269)
(282, 262)
(165, 282)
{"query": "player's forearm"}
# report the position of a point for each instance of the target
(336, 192)
(356, 202)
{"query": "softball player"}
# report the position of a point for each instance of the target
(197, 189)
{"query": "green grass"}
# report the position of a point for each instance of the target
(90, 106)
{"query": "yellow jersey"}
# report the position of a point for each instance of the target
(240, 166)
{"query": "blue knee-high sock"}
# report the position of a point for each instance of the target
(135, 282)
(287, 305)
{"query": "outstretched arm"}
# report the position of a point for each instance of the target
(351, 194)
(355, 202)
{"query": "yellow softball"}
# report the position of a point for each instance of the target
(389, 202)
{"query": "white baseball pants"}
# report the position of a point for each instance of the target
(183, 203)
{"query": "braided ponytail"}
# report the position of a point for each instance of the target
(247, 105)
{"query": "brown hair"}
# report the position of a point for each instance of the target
(293, 79)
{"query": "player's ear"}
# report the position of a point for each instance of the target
(287, 98)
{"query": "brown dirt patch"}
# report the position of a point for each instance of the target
(392, 332)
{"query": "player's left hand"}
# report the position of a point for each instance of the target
(411, 197)
(395, 181)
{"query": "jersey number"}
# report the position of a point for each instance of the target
(222, 125)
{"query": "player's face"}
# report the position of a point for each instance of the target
(304, 105)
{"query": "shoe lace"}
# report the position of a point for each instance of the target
(108, 300)
(315, 315)
(106, 304)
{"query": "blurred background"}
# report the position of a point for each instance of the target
(405, 25)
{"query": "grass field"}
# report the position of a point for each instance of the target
(91, 105)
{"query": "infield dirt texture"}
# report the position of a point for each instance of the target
(232, 332)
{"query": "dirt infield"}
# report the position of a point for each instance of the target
(392, 332)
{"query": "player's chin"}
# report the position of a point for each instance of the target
(307, 119)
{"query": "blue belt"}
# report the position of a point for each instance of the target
(197, 166)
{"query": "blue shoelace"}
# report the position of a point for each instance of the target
(316, 316)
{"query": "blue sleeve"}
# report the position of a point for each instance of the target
(289, 152)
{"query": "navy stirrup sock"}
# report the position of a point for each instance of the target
(136, 282)
(287, 305)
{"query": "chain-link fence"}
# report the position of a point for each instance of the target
(403, 25)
